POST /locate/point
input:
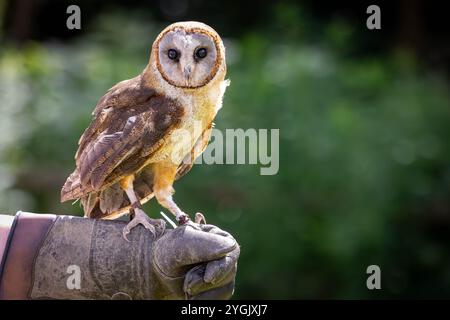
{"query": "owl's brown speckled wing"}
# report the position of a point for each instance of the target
(129, 125)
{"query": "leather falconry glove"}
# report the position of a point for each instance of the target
(63, 257)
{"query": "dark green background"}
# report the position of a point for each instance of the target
(364, 133)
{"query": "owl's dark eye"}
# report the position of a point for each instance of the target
(200, 53)
(172, 54)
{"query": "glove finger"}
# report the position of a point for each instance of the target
(222, 293)
(207, 246)
(213, 229)
(189, 246)
(217, 270)
(194, 282)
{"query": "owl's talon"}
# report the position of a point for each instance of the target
(200, 218)
(125, 232)
(155, 226)
(183, 220)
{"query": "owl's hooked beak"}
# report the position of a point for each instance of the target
(187, 71)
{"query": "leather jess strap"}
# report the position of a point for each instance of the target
(24, 241)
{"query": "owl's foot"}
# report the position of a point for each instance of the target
(155, 226)
(184, 220)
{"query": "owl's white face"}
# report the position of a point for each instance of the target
(188, 58)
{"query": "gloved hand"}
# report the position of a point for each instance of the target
(187, 262)
(213, 253)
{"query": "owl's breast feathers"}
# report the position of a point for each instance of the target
(131, 123)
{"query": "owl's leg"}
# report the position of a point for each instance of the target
(162, 187)
(139, 217)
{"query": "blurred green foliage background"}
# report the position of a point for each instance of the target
(364, 150)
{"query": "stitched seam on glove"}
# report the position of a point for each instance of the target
(30, 290)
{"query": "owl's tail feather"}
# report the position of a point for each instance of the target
(110, 202)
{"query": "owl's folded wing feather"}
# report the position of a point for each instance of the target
(101, 156)
(130, 118)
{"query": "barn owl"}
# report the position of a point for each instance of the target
(124, 157)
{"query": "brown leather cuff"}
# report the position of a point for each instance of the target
(26, 237)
